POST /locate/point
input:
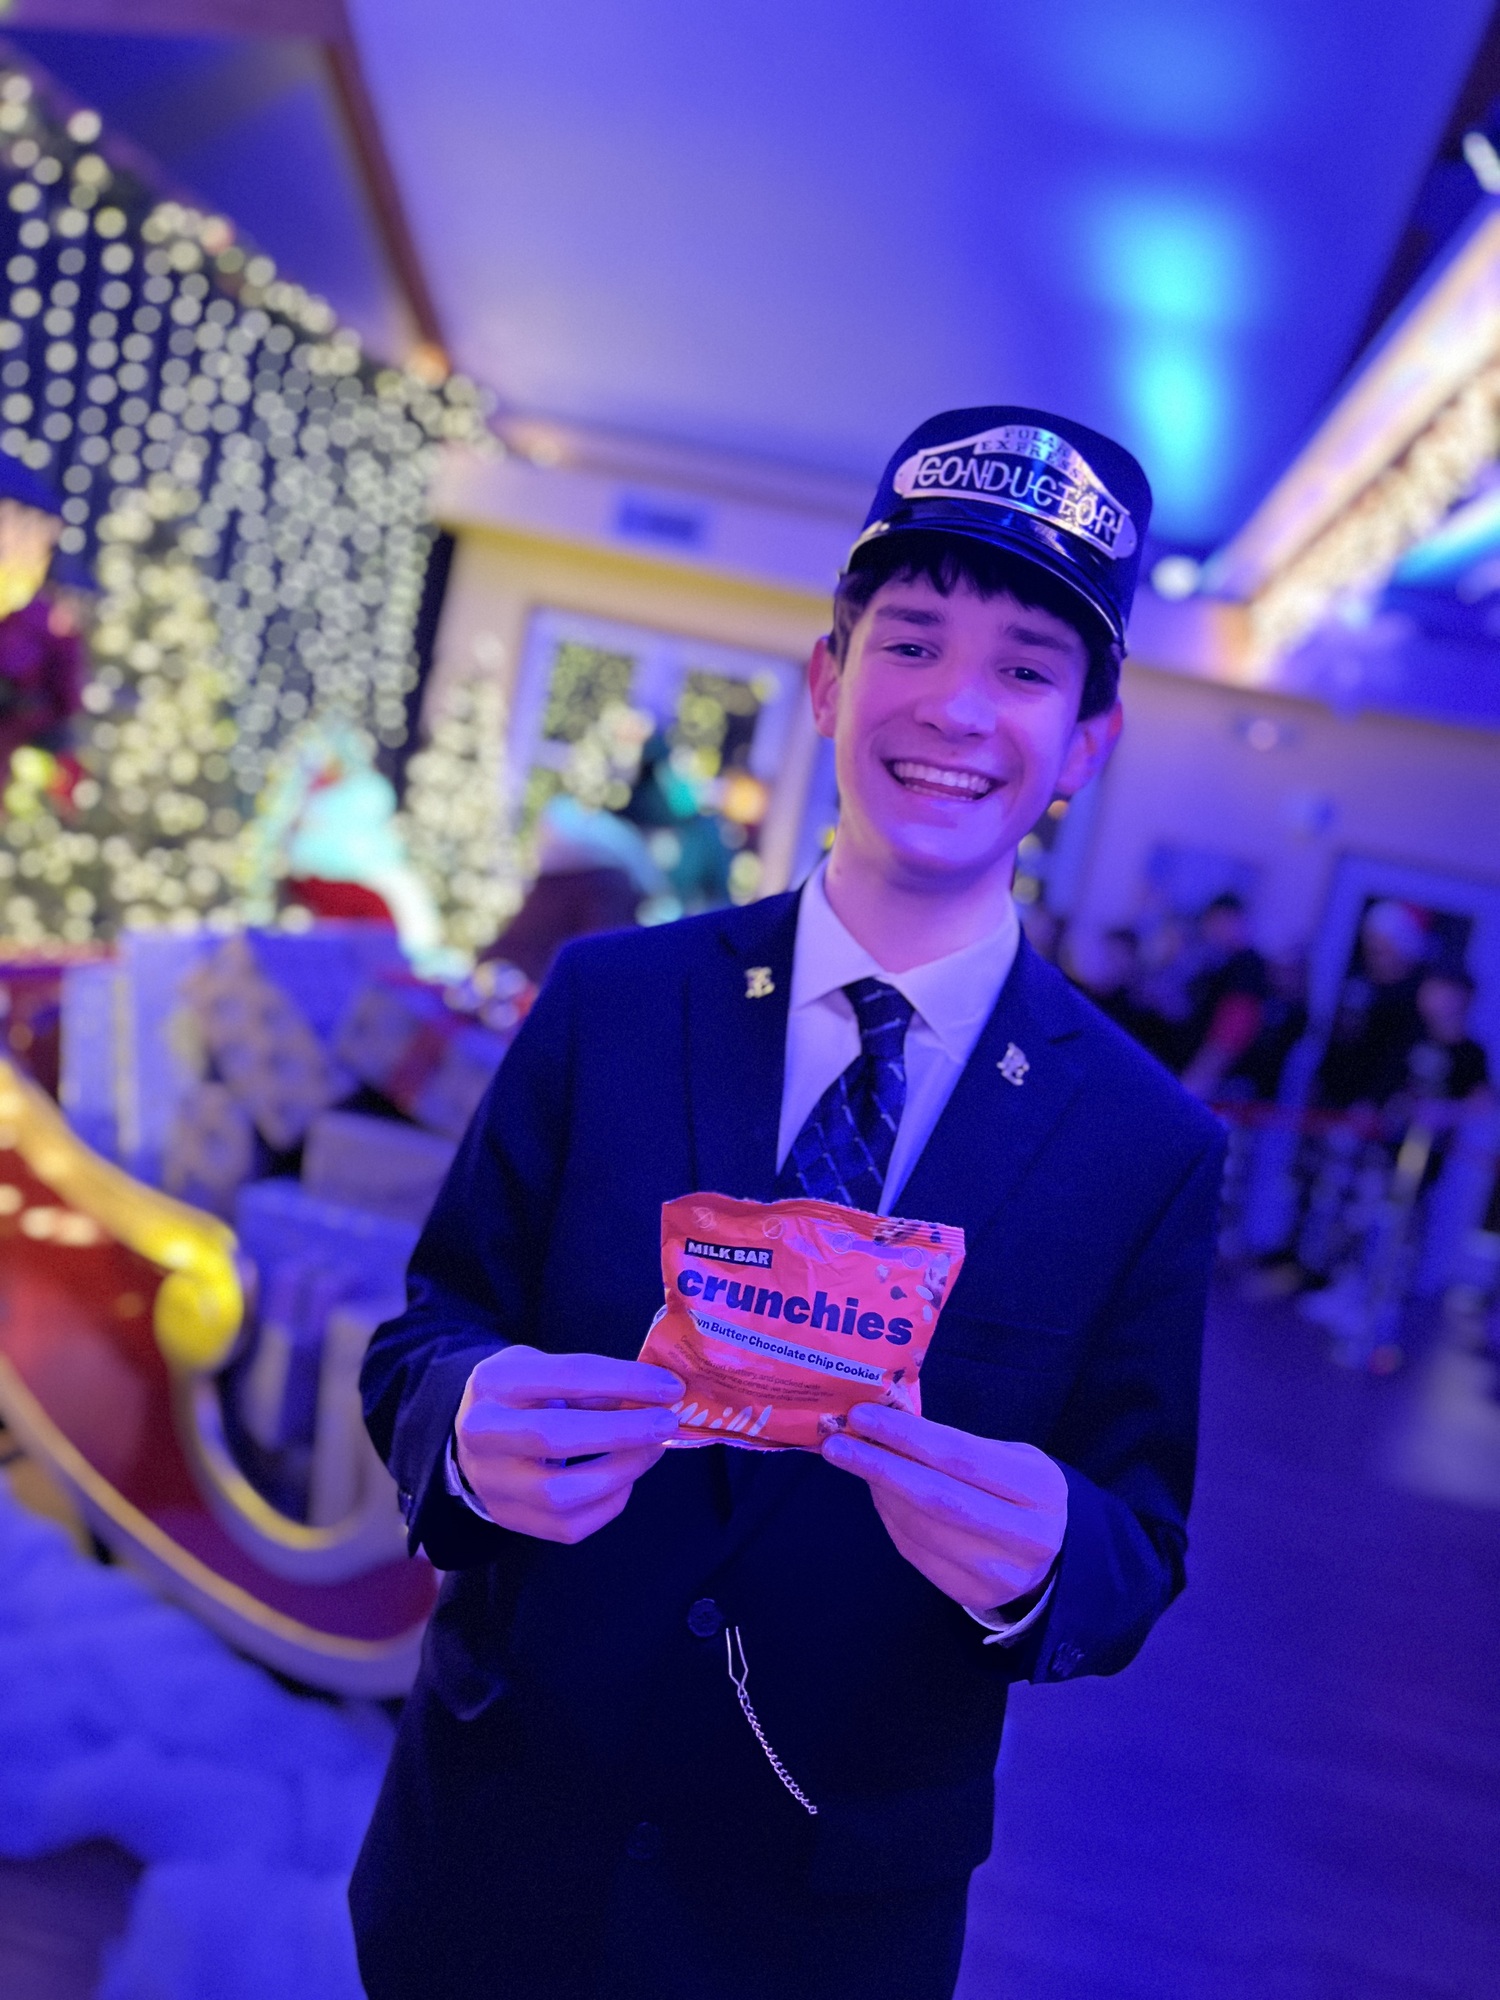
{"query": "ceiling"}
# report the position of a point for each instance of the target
(248, 126)
(791, 232)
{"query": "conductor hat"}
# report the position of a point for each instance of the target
(1062, 496)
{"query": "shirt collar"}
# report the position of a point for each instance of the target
(955, 995)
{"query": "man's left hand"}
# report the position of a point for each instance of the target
(980, 1518)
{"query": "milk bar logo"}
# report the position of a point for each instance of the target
(1032, 470)
(727, 1253)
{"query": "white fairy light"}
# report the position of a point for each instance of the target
(256, 491)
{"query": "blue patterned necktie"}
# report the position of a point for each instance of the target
(843, 1152)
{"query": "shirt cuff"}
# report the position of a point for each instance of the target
(460, 1488)
(1005, 1632)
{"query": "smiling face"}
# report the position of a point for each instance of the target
(954, 718)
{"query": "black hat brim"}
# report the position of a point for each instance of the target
(1020, 535)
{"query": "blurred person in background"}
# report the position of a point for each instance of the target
(1168, 959)
(1256, 1075)
(594, 871)
(1447, 1072)
(1044, 929)
(1377, 1024)
(1226, 996)
(1487, 1237)
(1446, 1085)
(1110, 979)
(1355, 1173)
(1446, 1065)
(685, 841)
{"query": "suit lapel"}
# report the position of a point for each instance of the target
(737, 995)
(1014, 1088)
(737, 1001)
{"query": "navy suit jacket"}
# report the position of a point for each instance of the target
(1087, 1195)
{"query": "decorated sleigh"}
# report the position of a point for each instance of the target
(190, 1378)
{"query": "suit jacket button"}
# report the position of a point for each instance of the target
(705, 1620)
(644, 1843)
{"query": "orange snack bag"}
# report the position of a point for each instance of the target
(780, 1316)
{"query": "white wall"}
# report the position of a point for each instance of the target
(1187, 772)
(500, 576)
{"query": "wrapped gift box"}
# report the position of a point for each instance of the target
(433, 1063)
(211, 1150)
(89, 1081)
(261, 1044)
(159, 1050)
(375, 1164)
(313, 1258)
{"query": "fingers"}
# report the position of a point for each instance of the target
(559, 1489)
(944, 1496)
(948, 1517)
(568, 1529)
(523, 1377)
(488, 1431)
(976, 1547)
(562, 1504)
(1017, 1473)
(977, 1573)
(982, 1588)
(1014, 1542)
(527, 1416)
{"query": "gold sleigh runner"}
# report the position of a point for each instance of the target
(118, 1307)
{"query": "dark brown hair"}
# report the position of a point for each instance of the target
(945, 561)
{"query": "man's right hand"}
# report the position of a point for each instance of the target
(527, 1415)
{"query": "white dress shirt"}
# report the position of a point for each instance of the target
(951, 999)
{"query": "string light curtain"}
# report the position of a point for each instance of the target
(250, 489)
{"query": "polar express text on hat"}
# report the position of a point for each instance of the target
(1032, 470)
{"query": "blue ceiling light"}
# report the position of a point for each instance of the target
(1176, 401)
(1179, 274)
(1175, 260)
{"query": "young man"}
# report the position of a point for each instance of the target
(580, 1804)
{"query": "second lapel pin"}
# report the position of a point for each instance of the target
(1013, 1065)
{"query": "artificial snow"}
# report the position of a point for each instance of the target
(123, 1719)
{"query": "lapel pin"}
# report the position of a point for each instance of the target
(759, 985)
(1013, 1065)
